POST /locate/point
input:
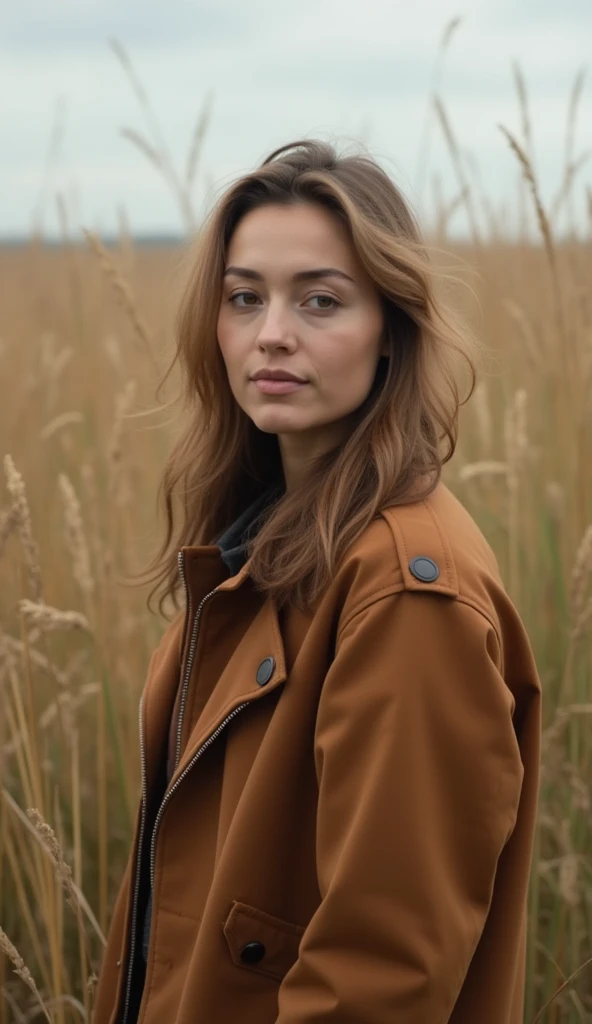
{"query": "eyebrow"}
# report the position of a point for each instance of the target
(302, 275)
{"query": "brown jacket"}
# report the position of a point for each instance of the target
(347, 834)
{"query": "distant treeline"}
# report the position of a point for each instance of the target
(19, 241)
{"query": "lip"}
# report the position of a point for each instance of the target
(278, 387)
(277, 375)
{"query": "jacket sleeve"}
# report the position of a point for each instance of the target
(420, 775)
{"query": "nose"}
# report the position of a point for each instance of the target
(276, 327)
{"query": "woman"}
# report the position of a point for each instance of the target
(340, 728)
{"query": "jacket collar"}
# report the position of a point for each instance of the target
(238, 682)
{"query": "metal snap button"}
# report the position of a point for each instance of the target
(265, 671)
(252, 953)
(424, 569)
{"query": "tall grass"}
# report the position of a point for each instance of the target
(85, 334)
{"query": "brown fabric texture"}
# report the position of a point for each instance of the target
(357, 848)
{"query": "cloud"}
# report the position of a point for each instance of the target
(278, 72)
(572, 13)
(26, 26)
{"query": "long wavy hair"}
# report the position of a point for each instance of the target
(401, 435)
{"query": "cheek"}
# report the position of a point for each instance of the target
(226, 339)
(348, 373)
(347, 359)
(222, 327)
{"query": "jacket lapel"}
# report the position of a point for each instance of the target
(237, 683)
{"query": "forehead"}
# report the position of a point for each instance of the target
(287, 233)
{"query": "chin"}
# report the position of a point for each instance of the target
(275, 423)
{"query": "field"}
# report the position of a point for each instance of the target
(85, 334)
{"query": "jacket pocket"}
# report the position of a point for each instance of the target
(261, 943)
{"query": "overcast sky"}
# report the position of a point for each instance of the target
(277, 71)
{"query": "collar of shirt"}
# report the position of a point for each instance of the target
(233, 542)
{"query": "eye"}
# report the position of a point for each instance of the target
(238, 294)
(329, 297)
(251, 295)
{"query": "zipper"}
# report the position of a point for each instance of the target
(181, 567)
(134, 916)
(132, 949)
(182, 703)
(185, 772)
(190, 655)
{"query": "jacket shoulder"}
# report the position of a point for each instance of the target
(432, 545)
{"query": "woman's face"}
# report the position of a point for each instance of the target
(325, 329)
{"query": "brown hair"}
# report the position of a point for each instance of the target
(401, 435)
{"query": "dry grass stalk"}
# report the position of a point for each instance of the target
(62, 360)
(75, 666)
(523, 106)
(568, 879)
(531, 345)
(583, 621)
(545, 228)
(123, 292)
(8, 522)
(449, 30)
(23, 818)
(447, 211)
(482, 412)
(562, 716)
(92, 503)
(14, 713)
(37, 659)
(197, 139)
(113, 350)
(76, 537)
(52, 156)
(117, 482)
(424, 145)
(516, 436)
(517, 451)
(570, 132)
(22, 970)
(126, 245)
(53, 364)
(158, 154)
(65, 705)
(564, 985)
(581, 572)
(48, 618)
(565, 190)
(484, 468)
(65, 419)
(144, 146)
(580, 788)
(73, 702)
(555, 495)
(528, 171)
(50, 843)
(47, 340)
(455, 153)
(22, 514)
(124, 403)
